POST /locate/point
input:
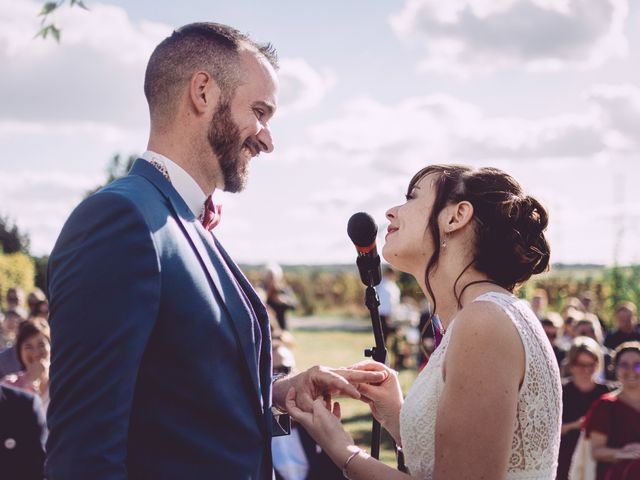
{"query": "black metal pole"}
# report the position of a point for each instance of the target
(378, 353)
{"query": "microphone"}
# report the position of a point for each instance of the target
(362, 231)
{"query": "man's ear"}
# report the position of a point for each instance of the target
(457, 216)
(204, 92)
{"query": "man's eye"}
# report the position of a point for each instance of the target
(259, 113)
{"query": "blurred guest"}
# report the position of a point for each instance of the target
(34, 349)
(34, 302)
(22, 435)
(578, 394)
(552, 325)
(279, 296)
(626, 326)
(570, 316)
(590, 327)
(9, 363)
(9, 329)
(15, 302)
(539, 302)
(613, 423)
(389, 296)
(297, 456)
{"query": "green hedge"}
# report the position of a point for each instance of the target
(16, 270)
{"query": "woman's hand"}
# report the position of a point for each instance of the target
(384, 398)
(629, 451)
(323, 425)
(36, 370)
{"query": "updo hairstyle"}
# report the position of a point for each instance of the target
(510, 245)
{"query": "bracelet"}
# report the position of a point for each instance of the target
(351, 457)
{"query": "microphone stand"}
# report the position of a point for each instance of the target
(379, 354)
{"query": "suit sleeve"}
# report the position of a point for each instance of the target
(104, 289)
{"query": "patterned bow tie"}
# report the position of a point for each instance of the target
(212, 214)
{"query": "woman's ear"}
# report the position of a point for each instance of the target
(457, 216)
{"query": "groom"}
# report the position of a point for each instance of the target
(161, 365)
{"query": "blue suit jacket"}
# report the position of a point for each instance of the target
(158, 369)
(22, 435)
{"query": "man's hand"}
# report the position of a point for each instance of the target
(323, 382)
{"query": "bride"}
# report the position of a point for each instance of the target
(488, 403)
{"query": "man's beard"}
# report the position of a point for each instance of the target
(225, 141)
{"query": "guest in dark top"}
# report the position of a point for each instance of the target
(613, 423)
(22, 435)
(627, 326)
(552, 324)
(578, 394)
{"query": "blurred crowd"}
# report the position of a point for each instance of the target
(600, 367)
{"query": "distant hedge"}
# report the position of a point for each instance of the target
(16, 270)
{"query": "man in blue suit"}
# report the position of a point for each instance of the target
(161, 365)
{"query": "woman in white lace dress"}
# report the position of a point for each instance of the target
(488, 403)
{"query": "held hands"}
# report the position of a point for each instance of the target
(325, 382)
(323, 425)
(385, 398)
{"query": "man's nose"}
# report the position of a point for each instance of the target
(265, 140)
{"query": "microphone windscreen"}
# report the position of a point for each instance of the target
(362, 229)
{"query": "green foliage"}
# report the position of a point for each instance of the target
(16, 270)
(47, 10)
(12, 240)
(623, 285)
(40, 279)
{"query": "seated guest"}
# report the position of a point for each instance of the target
(15, 301)
(613, 423)
(590, 327)
(9, 329)
(22, 435)
(34, 349)
(626, 326)
(35, 301)
(552, 325)
(9, 363)
(578, 394)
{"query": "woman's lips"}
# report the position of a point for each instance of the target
(390, 230)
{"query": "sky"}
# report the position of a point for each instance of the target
(370, 92)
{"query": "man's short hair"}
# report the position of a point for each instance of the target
(212, 47)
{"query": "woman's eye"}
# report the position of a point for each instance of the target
(408, 196)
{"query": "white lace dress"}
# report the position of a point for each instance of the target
(536, 429)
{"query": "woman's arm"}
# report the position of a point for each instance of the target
(602, 453)
(325, 428)
(569, 426)
(483, 369)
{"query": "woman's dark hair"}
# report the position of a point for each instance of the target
(624, 348)
(510, 245)
(28, 329)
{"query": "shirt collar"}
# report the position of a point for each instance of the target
(184, 183)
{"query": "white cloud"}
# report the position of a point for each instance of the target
(301, 86)
(461, 36)
(94, 75)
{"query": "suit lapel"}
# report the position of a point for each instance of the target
(223, 285)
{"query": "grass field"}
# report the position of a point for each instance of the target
(340, 348)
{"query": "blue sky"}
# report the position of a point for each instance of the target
(548, 90)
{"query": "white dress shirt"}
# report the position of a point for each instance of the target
(184, 183)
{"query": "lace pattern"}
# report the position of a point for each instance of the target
(536, 431)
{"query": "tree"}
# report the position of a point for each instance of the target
(12, 240)
(48, 8)
(118, 167)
